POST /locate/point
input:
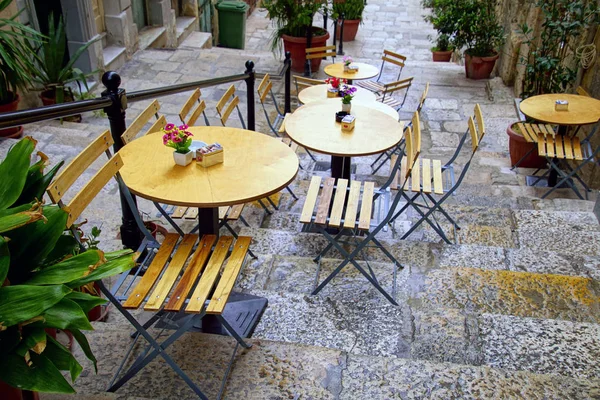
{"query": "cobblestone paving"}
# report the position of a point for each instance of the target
(511, 310)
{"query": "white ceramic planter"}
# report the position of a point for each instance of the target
(346, 107)
(183, 159)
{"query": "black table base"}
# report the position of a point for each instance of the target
(340, 167)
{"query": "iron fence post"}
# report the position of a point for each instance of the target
(131, 236)
(250, 93)
(308, 46)
(287, 108)
(341, 48)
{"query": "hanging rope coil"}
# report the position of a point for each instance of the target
(586, 55)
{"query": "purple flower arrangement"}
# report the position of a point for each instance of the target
(347, 93)
(177, 137)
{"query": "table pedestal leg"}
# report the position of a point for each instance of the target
(340, 167)
(208, 220)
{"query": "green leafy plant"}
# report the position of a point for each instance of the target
(291, 17)
(40, 269)
(16, 65)
(442, 43)
(351, 9)
(551, 62)
(50, 71)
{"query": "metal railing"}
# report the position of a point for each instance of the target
(114, 102)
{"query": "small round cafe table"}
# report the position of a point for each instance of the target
(319, 93)
(583, 110)
(314, 127)
(365, 71)
(255, 166)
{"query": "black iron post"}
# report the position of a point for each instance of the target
(131, 236)
(250, 93)
(287, 107)
(341, 48)
(308, 46)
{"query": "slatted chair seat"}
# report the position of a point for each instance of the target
(181, 279)
(323, 208)
(377, 86)
(558, 146)
(373, 86)
(427, 176)
(232, 213)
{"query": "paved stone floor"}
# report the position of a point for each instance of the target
(511, 310)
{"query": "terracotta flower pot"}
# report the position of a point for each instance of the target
(518, 147)
(14, 132)
(442, 56)
(297, 46)
(350, 29)
(479, 67)
(8, 392)
(49, 98)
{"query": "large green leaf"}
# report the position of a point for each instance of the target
(17, 209)
(85, 346)
(32, 243)
(33, 338)
(22, 302)
(117, 254)
(69, 270)
(37, 182)
(62, 358)
(41, 376)
(110, 268)
(4, 260)
(66, 246)
(13, 171)
(66, 314)
(85, 301)
(14, 221)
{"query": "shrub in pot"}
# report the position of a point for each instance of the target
(293, 19)
(352, 11)
(51, 72)
(40, 268)
(15, 63)
(442, 51)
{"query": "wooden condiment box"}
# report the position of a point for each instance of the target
(348, 123)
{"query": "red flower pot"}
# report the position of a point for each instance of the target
(14, 132)
(49, 98)
(297, 47)
(350, 29)
(442, 56)
(479, 67)
(518, 147)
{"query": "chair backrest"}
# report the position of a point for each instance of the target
(142, 119)
(65, 179)
(476, 134)
(393, 58)
(264, 88)
(412, 138)
(197, 106)
(582, 92)
(228, 102)
(320, 52)
(302, 83)
(423, 97)
(392, 87)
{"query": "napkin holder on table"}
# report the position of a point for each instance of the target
(210, 155)
(331, 93)
(348, 123)
(351, 69)
(561, 105)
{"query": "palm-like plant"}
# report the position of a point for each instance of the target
(41, 266)
(16, 64)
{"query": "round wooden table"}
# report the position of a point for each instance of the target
(583, 110)
(314, 127)
(319, 93)
(255, 166)
(365, 71)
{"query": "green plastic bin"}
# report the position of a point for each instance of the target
(232, 23)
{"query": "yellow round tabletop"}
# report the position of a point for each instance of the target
(255, 165)
(319, 93)
(365, 71)
(314, 127)
(583, 110)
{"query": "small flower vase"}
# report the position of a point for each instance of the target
(183, 159)
(346, 107)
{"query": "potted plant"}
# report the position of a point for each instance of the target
(52, 73)
(352, 11)
(442, 51)
(179, 139)
(347, 94)
(40, 268)
(15, 63)
(477, 28)
(293, 19)
(551, 64)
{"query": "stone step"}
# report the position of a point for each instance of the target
(114, 57)
(275, 369)
(185, 26)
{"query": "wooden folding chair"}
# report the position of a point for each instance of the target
(350, 212)
(430, 177)
(142, 119)
(184, 274)
(389, 88)
(319, 52)
(302, 83)
(530, 131)
(377, 86)
(196, 106)
(225, 106)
